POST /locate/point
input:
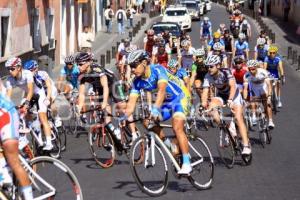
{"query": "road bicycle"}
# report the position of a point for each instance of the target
(50, 178)
(228, 144)
(274, 97)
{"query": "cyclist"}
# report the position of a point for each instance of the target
(221, 29)
(227, 93)
(264, 35)
(149, 41)
(218, 49)
(241, 47)
(245, 28)
(273, 64)
(261, 50)
(185, 55)
(205, 30)
(228, 42)
(121, 52)
(170, 91)
(239, 69)
(9, 133)
(161, 53)
(174, 68)
(257, 84)
(70, 73)
(198, 70)
(45, 95)
(216, 38)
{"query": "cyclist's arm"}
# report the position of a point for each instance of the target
(104, 83)
(60, 82)
(81, 96)
(255, 54)
(130, 106)
(30, 91)
(161, 93)
(245, 90)
(232, 90)
(269, 85)
(265, 65)
(193, 77)
(153, 59)
(280, 67)
(49, 88)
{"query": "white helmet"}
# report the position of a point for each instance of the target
(245, 21)
(252, 63)
(205, 19)
(242, 36)
(199, 52)
(185, 43)
(222, 25)
(217, 46)
(261, 41)
(13, 62)
(212, 60)
(136, 56)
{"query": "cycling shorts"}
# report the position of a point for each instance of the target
(237, 100)
(258, 90)
(178, 107)
(274, 73)
(9, 124)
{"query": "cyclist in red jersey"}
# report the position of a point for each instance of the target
(161, 54)
(239, 69)
(149, 42)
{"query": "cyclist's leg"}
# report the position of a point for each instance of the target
(198, 84)
(9, 131)
(215, 102)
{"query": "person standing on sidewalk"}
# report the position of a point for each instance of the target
(286, 5)
(86, 40)
(108, 14)
(121, 18)
(129, 13)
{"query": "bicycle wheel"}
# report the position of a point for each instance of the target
(55, 139)
(63, 137)
(102, 147)
(269, 136)
(73, 122)
(262, 131)
(202, 162)
(274, 101)
(58, 175)
(151, 175)
(225, 148)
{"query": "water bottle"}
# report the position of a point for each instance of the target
(115, 131)
(232, 129)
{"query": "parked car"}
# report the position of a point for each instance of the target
(173, 28)
(195, 9)
(178, 14)
(208, 5)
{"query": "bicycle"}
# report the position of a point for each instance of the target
(274, 97)
(229, 146)
(74, 121)
(49, 178)
(152, 150)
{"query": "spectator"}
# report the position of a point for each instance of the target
(86, 40)
(286, 4)
(130, 12)
(108, 14)
(121, 18)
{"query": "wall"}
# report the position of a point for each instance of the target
(294, 15)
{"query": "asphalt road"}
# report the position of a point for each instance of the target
(273, 174)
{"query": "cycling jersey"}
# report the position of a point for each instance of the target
(212, 42)
(149, 45)
(239, 74)
(21, 82)
(177, 97)
(272, 65)
(227, 42)
(167, 49)
(71, 75)
(262, 53)
(5, 103)
(40, 78)
(181, 73)
(200, 69)
(221, 83)
(257, 83)
(206, 29)
(187, 57)
(162, 59)
(241, 48)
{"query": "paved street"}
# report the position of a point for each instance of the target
(274, 173)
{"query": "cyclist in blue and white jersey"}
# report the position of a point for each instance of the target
(273, 64)
(186, 55)
(261, 50)
(174, 67)
(9, 134)
(216, 39)
(205, 30)
(172, 101)
(241, 47)
(218, 49)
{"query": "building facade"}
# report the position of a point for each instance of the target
(294, 14)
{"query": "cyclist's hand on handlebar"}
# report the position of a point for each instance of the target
(122, 120)
(282, 80)
(155, 113)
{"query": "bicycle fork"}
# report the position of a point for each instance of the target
(150, 151)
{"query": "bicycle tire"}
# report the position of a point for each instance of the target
(274, 101)
(104, 159)
(139, 147)
(262, 131)
(56, 151)
(206, 182)
(63, 137)
(73, 122)
(228, 159)
(57, 174)
(269, 136)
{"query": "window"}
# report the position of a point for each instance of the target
(36, 30)
(176, 12)
(50, 28)
(4, 34)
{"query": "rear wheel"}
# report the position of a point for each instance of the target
(225, 148)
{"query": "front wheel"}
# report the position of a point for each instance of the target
(202, 163)
(102, 147)
(226, 148)
(151, 173)
(56, 174)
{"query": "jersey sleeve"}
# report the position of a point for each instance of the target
(9, 83)
(194, 68)
(135, 90)
(206, 81)
(29, 76)
(63, 72)
(161, 74)
(183, 73)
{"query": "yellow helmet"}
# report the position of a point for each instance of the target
(217, 34)
(273, 48)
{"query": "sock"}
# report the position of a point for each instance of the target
(27, 192)
(48, 139)
(186, 159)
(278, 98)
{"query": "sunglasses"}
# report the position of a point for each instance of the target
(199, 57)
(210, 66)
(80, 64)
(69, 63)
(272, 53)
(12, 68)
(252, 69)
(134, 65)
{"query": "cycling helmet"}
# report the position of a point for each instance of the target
(199, 52)
(137, 56)
(242, 36)
(261, 41)
(212, 60)
(222, 26)
(217, 46)
(205, 19)
(84, 57)
(245, 22)
(13, 62)
(69, 59)
(185, 43)
(172, 64)
(30, 65)
(252, 63)
(273, 48)
(226, 31)
(126, 42)
(238, 59)
(217, 34)
(150, 32)
(130, 48)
